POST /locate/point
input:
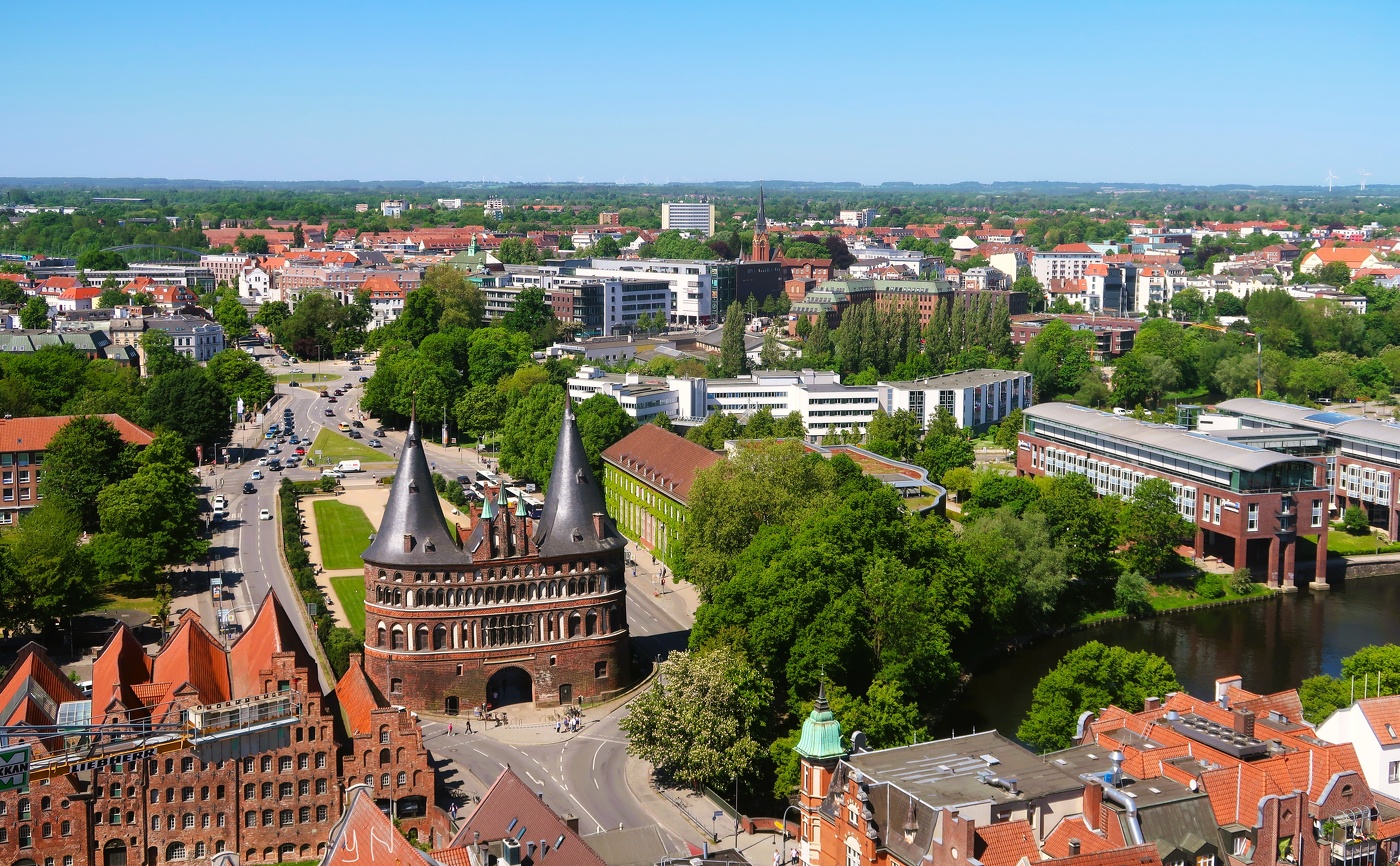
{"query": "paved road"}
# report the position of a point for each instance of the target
(583, 773)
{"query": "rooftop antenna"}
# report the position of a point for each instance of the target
(1364, 174)
(1330, 177)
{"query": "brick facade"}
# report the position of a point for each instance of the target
(269, 797)
(506, 609)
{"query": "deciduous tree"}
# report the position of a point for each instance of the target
(85, 456)
(1089, 678)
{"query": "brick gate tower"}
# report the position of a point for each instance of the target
(505, 609)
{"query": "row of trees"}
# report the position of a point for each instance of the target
(112, 517)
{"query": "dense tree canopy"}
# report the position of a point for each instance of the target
(1089, 678)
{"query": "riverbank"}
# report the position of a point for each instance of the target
(1275, 642)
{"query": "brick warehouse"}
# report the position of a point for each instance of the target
(265, 782)
(506, 609)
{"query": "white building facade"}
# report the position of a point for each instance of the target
(976, 398)
(688, 217)
(692, 283)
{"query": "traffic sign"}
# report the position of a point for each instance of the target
(14, 768)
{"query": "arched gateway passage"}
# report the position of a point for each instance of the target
(509, 686)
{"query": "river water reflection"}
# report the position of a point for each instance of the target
(1273, 644)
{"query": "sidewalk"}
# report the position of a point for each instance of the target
(691, 817)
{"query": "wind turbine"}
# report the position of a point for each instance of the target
(1364, 174)
(1330, 177)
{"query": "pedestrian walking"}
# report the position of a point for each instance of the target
(449, 729)
(469, 726)
(777, 858)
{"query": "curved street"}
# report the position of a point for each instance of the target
(585, 773)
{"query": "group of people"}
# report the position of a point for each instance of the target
(569, 725)
(791, 858)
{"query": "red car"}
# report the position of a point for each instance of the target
(331, 400)
(299, 450)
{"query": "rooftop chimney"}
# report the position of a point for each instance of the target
(1152, 703)
(1244, 722)
(571, 821)
(1074, 847)
(407, 543)
(1116, 758)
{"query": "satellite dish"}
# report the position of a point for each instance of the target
(858, 741)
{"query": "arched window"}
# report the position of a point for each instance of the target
(420, 638)
(398, 638)
(384, 734)
(575, 623)
(175, 851)
(383, 632)
(384, 757)
(591, 623)
(571, 587)
(418, 598)
(510, 593)
(440, 637)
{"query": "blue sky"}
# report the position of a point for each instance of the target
(928, 92)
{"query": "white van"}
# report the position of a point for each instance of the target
(348, 466)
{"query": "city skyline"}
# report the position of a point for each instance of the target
(1077, 93)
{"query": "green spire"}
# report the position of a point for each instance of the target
(821, 733)
(488, 509)
(520, 507)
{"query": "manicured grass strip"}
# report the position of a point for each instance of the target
(305, 378)
(334, 447)
(344, 534)
(350, 595)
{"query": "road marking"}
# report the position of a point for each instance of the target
(532, 778)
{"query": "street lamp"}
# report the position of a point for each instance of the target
(785, 832)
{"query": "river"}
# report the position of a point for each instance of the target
(1274, 644)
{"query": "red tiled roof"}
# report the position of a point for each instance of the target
(665, 460)
(365, 836)
(1073, 248)
(1353, 256)
(120, 666)
(359, 697)
(271, 633)
(1140, 855)
(80, 294)
(512, 809)
(34, 665)
(1073, 827)
(192, 656)
(1006, 844)
(33, 434)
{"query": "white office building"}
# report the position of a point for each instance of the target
(641, 397)
(976, 398)
(1065, 262)
(858, 218)
(692, 282)
(688, 217)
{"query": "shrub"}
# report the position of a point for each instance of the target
(1354, 520)
(1242, 582)
(1130, 594)
(1210, 586)
(326, 484)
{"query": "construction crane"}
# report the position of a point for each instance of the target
(1258, 352)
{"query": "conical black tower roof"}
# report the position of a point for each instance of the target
(760, 224)
(567, 527)
(413, 532)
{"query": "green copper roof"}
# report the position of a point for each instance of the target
(488, 509)
(821, 733)
(520, 507)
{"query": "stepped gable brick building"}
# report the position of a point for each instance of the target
(250, 757)
(504, 610)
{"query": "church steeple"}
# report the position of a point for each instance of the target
(761, 250)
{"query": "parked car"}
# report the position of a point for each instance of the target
(249, 488)
(264, 514)
(220, 503)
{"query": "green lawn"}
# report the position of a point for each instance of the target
(350, 594)
(344, 533)
(335, 447)
(1343, 543)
